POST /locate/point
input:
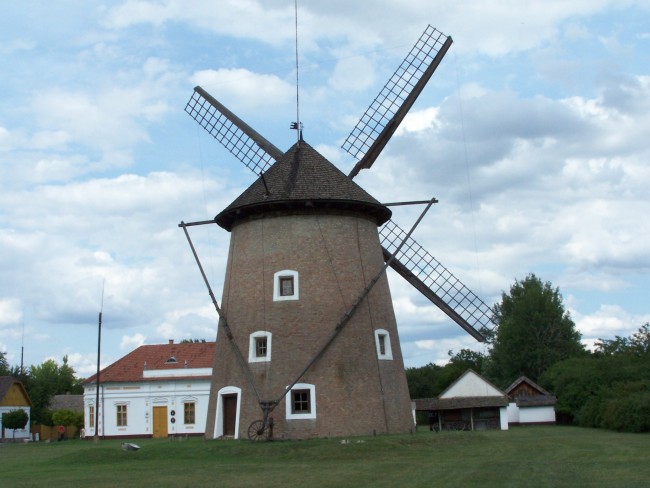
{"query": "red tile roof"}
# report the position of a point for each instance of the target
(132, 366)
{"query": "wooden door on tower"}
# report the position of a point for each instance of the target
(229, 414)
(160, 421)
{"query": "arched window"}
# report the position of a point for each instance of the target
(285, 285)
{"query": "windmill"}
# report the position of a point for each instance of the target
(307, 339)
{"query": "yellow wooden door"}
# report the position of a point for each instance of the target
(160, 421)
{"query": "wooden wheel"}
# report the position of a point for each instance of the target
(258, 430)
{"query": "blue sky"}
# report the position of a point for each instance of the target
(533, 134)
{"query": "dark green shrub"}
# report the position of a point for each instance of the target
(628, 414)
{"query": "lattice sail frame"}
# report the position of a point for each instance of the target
(230, 131)
(437, 278)
(398, 94)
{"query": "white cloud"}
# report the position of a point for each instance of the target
(248, 91)
(608, 321)
(10, 311)
(352, 74)
(130, 343)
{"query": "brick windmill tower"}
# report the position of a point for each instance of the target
(307, 343)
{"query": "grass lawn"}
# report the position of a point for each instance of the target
(527, 456)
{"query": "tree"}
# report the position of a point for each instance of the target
(534, 332)
(431, 380)
(15, 419)
(4, 365)
(46, 380)
(425, 381)
(609, 389)
(637, 344)
(68, 418)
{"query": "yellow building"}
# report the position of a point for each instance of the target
(13, 396)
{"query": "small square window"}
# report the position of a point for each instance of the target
(286, 286)
(259, 347)
(300, 401)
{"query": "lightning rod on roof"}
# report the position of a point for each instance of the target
(297, 125)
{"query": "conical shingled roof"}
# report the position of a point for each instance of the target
(302, 179)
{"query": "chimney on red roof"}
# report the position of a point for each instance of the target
(171, 341)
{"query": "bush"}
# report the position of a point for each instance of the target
(628, 414)
(15, 419)
(628, 408)
(68, 417)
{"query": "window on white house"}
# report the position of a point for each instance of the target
(285, 285)
(189, 413)
(382, 343)
(301, 402)
(121, 416)
(259, 346)
(91, 416)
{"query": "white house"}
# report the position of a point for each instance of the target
(469, 403)
(13, 397)
(154, 391)
(529, 403)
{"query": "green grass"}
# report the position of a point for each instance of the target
(527, 456)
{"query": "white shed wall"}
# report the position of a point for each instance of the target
(531, 415)
(513, 413)
(503, 414)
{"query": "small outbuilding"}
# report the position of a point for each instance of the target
(529, 403)
(13, 397)
(470, 403)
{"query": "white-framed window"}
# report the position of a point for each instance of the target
(259, 346)
(285, 285)
(382, 342)
(301, 402)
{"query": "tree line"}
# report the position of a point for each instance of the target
(536, 337)
(41, 383)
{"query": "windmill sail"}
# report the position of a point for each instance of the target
(386, 112)
(435, 282)
(234, 134)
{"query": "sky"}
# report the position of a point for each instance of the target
(533, 134)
